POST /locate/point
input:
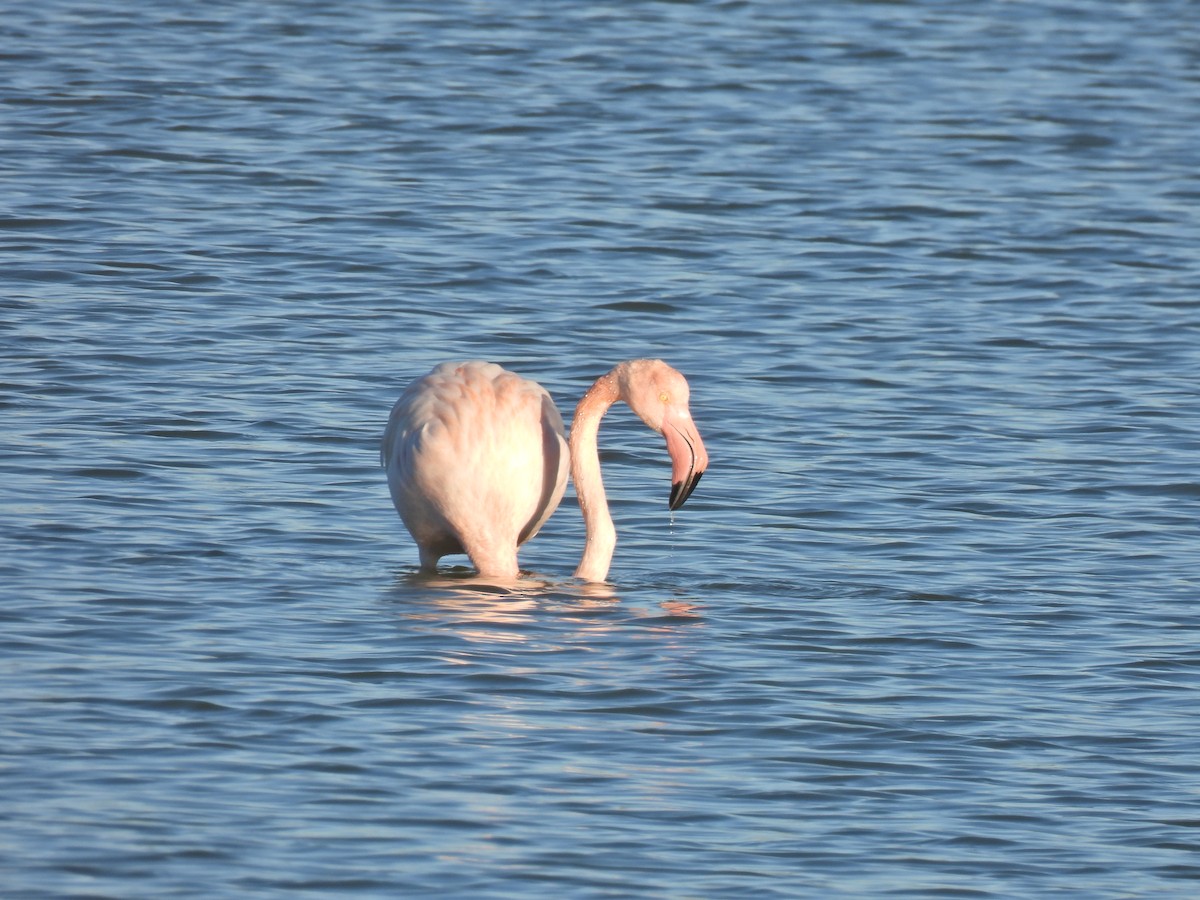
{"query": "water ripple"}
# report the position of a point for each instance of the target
(926, 628)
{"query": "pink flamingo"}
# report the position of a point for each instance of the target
(477, 457)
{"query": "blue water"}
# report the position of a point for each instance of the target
(928, 627)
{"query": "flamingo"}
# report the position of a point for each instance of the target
(477, 457)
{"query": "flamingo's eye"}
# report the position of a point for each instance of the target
(664, 397)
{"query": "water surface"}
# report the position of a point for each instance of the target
(928, 626)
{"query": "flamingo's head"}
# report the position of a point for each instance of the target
(659, 395)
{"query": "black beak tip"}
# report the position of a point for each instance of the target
(681, 490)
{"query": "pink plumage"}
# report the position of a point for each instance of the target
(477, 459)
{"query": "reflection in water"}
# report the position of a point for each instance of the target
(482, 610)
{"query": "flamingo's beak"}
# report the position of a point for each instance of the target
(689, 459)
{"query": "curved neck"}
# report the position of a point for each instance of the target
(589, 486)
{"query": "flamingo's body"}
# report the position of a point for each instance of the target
(476, 459)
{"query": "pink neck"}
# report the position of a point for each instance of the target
(589, 485)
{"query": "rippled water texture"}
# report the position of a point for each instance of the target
(927, 628)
